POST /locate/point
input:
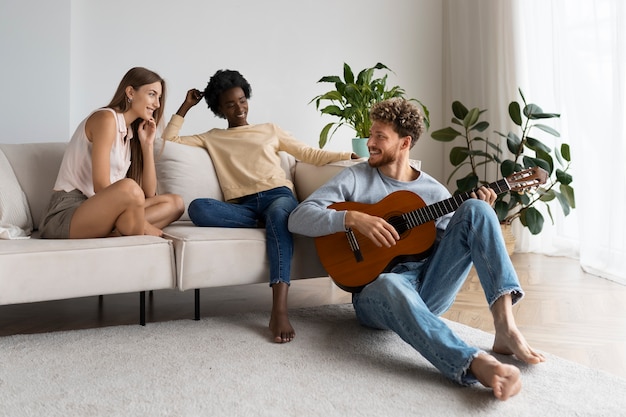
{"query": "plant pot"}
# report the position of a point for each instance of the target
(359, 147)
(509, 238)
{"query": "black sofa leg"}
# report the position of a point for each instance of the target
(196, 304)
(142, 308)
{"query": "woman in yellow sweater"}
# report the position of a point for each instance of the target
(256, 191)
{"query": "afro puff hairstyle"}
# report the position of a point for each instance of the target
(221, 81)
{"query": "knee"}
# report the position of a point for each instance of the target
(385, 286)
(132, 192)
(195, 205)
(477, 209)
(179, 204)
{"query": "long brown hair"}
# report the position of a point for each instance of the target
(136, 77)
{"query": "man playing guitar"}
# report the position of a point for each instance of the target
(409, 296)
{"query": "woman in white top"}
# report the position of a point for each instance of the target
(107, 181)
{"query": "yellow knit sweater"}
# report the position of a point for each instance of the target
(246, 158)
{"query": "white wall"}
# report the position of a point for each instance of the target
(35, 70)
(77, 52)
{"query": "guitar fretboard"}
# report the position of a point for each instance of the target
(434, 211)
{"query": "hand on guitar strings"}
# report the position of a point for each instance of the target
(375, 228)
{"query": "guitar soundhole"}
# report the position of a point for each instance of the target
(399, 224)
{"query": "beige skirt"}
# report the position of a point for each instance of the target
(56, 222)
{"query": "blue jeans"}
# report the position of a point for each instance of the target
(410, 298)
(269, 208)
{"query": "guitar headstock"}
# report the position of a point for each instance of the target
(528, 178)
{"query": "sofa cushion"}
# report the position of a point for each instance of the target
(214, 256)
(49, 269)
(44, 159)
(15, 217)
(187, 171)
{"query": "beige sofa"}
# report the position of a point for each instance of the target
(189, 257)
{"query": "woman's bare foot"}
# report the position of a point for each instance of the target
(152, 230)
(281, 328)
(502, 378)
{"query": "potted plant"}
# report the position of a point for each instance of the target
(351, 100)
(525, 151)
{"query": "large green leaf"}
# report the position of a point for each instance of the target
(502, 210)
(568, 192)
(458, 155)
(348, 75)
(513, 143)
(565, 152)
(481, 126)
(507, 168)
(324, 135)
(471, 117)
(548, 196)
(467, 184)
(530, 162)
(514, 113)
(446, 134)
(564, 203)
(459, 110)
(563, 177)
(532, 218)
(536, 144)
(547, 129)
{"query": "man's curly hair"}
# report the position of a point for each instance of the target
(404, 116)
(221, 81)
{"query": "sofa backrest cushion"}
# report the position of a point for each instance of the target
(36, 166)
(15, 217)
(189, 172)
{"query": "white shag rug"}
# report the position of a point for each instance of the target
(227, 366)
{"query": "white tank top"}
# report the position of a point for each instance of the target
(76, 168)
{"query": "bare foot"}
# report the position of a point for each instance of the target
(510, 341)
(152, 230)
(502, 378)
(281, 328)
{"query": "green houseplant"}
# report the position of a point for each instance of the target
(352, 97)
(525, 151)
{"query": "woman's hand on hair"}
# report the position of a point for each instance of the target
(192, 98)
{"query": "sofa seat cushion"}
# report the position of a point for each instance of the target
(216, 256)
(48, 269)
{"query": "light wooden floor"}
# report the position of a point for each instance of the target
(566, 312)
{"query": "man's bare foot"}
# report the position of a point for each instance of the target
(281, 328)
(511, 342)
(502, 378)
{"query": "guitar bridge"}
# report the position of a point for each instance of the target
(354, 245)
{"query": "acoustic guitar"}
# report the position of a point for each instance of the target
(353, 260)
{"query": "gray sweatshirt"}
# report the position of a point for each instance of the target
(364, 184)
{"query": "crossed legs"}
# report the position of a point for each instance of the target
(122, 209)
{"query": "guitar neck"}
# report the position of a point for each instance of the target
(434, 211)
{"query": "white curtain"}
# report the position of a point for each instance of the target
(568, 56)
